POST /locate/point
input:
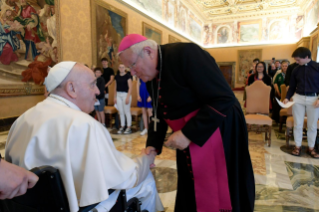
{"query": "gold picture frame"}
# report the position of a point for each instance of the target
(11, 90)
(250, 31)
(172, 39)
(105, 36)
(152, 33)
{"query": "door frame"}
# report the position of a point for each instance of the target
(233, 64)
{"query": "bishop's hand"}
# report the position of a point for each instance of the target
(178, 141)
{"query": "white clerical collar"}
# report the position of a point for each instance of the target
(64, 101)
(308, 63)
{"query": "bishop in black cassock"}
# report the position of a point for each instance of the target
(193, 97)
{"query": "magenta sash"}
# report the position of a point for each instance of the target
(209, 170)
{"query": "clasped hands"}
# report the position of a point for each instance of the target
(177, 140)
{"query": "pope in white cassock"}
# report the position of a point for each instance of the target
(59, 132)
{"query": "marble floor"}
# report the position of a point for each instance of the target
(283, 182)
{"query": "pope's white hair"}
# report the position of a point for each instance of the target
(137, 48)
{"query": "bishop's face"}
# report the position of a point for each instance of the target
(142, 64)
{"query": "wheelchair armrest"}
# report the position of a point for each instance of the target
(40, 170)
(87, 208)
(90, 207)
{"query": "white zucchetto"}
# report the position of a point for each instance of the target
(57, 74)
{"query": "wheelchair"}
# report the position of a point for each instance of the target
(48, 195)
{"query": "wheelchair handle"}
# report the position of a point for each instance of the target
(40, 170)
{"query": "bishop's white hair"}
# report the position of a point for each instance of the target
(137, 48)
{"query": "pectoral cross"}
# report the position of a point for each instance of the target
(156, 120)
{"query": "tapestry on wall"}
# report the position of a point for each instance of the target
(109, 27)
(245, 59)
(29, 43)
(152, 33)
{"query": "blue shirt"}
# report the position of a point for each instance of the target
(304, 79)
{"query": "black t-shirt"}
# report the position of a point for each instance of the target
(121, 82)
(107, 73)
(100, 84)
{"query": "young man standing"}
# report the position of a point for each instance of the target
(108, 76)
(304, 87)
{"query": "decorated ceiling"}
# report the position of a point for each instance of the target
(214, 23)
(228, 9)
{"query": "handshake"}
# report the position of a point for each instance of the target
(150, 153)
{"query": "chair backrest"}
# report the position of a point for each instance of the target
(257, 98)
(134, 94)
(48, 195)
(283, 92)
(110, 101)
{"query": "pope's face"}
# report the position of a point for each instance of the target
(86, 90)
(142, 64)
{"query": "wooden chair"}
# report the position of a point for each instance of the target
(257, 109)
(109, 110)
(284, 112)
(283, 89)
(136, 112)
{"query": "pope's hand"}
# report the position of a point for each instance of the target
(14, 180)
(317, 103)
(285, 101)
(178, 141)
(150, 151)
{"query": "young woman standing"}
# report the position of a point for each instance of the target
(144, 101)
(123, 90)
